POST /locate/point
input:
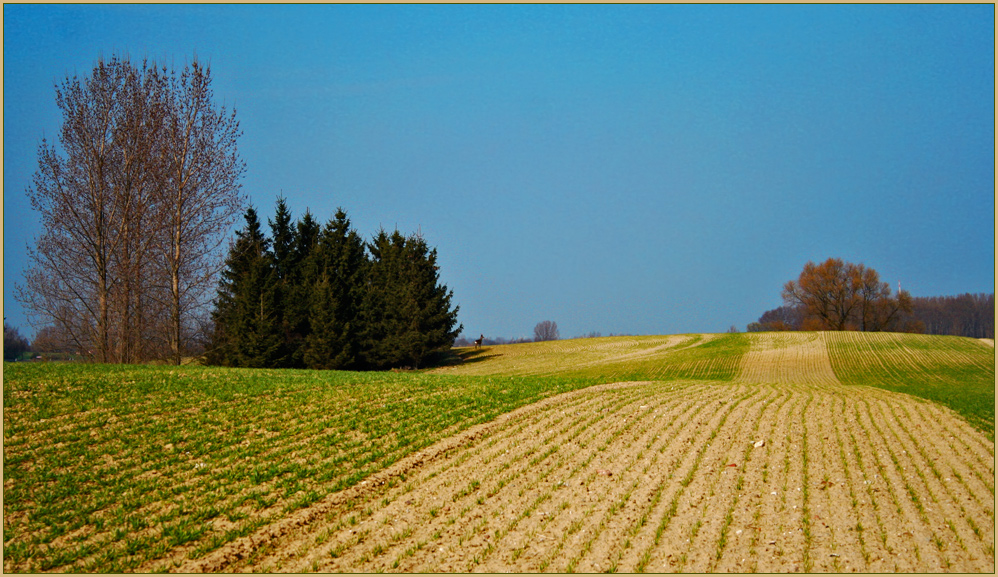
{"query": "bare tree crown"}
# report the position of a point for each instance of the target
(134, 205)
(546, 331)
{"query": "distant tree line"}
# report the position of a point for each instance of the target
(541, 330)
(784, 318)
(311, 296)
(838, 295)
(966, 315)
(14, 345)
(490, 341)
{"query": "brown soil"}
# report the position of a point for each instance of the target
(782, 470)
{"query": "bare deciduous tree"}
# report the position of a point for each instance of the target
(968, 315)
(132, 213)
(546, 331)
(785, 318)
(50, 340)
(201, 193)
(72, 278)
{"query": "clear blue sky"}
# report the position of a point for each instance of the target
(640, 169)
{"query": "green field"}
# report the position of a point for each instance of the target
(128, 468)
(953, 371)
(109, 468)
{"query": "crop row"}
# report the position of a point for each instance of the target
(528, 464)
(568, 355)
(158, 468)
(702, 357)
(787, 358)
(956, 372)
(660, 477)
(136, 468)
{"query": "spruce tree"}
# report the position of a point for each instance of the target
(283, 234)
(435, 322)
(301, 281)
(306, 241)
(260, 341)
(407, 314)
(338, 263)
(317, 300)
(243, 300)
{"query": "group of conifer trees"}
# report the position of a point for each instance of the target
(312, 296)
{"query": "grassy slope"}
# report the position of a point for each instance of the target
(954, 371)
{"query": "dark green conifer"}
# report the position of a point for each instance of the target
(406, 313)
(244, 306)
(316, 300)
(260, 343)
(300, 282)
(338, 263)
(283, 232)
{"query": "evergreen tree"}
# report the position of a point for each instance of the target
(406, 312)
(316, 300)
(244, 332)
(283, 233)
(338, 264)
(14, 345)
(306, 241)
(260, 343)
(435, 321)
(300, 282)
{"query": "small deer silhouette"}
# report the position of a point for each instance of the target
(478, 341)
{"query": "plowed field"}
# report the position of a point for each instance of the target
(774, 465)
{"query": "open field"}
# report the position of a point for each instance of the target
(614, 359)
(955, 371)
(760, 452)
(123, 468)
(930, 367)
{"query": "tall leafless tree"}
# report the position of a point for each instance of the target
(201, 194)
(135, 181)
(133, 209)
(72, 277)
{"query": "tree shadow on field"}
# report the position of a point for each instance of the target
(467, 355)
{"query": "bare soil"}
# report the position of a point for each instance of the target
(783, 470)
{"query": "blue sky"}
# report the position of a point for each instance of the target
(639, 169)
